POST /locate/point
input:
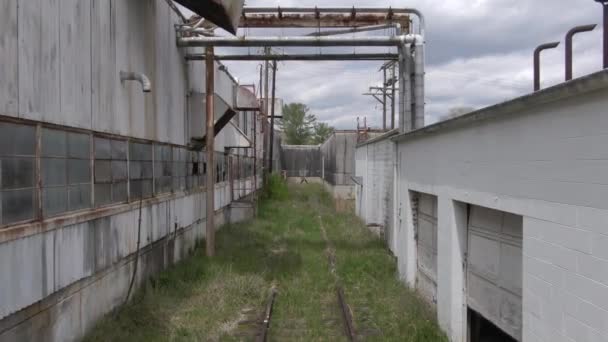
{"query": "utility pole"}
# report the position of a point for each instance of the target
(272, 114)
(210, 137)
(394, 92)
(384, 90)
(266, 108)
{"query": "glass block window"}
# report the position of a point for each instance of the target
(180, 168)
(111, 178)
(140, 170)
(163, 167)
(65, 171)
(17, 173)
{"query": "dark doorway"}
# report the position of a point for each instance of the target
(482, 330)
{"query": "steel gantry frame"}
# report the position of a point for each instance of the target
(410, 56)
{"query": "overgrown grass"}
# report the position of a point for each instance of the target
(205, 299)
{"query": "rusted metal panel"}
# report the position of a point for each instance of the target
(495, 268)
(324, 20)
(223, 13)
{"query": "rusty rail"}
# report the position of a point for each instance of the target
(265, 326)
(347, 315)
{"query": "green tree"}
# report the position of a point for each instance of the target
(322, 132)
(297, 124)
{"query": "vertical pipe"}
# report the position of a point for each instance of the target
(210, 120)
(394, 92)
(272, 104)
(569, 38)
(384, 90)
(537, 52)
(255, 152)
(605, 4)
(418, 120)
(405, 98)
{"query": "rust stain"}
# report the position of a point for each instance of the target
(327, 20)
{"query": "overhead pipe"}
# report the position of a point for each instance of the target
(301, 57)
(139, 77)
(604, 4)
(345, 10)
(537, 52)
(295, 41)
(395, 26)
(569, 36)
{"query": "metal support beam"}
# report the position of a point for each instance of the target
(537, 52)
(321, 21)
(569, 37)
(210, 118)
(301, 57)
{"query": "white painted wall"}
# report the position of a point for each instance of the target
(543, 157)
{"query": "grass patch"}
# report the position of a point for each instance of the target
(203, 299)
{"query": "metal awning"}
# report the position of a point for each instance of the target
(223, 13)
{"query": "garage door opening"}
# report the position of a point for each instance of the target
(424, 208)
(494, 272)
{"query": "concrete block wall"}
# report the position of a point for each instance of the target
(375, 167)
(542, 157)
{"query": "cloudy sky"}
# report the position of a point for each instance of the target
(479, 53)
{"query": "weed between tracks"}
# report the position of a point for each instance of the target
(207, 300)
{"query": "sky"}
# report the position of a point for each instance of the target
(479, 53)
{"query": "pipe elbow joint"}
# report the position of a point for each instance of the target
(139, 77)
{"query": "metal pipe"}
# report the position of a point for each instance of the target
(419, 105)
(294, 41)
(537, 52)
(274, 92)
(319, 10)
(604, 4)
(139, 77)
(569, 38)
(301, 57)
(405, 99)
(210, 137)
(356, 30)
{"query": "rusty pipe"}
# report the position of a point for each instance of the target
(604, 4)
(537, 52)
(347, 10)
(569, 37)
